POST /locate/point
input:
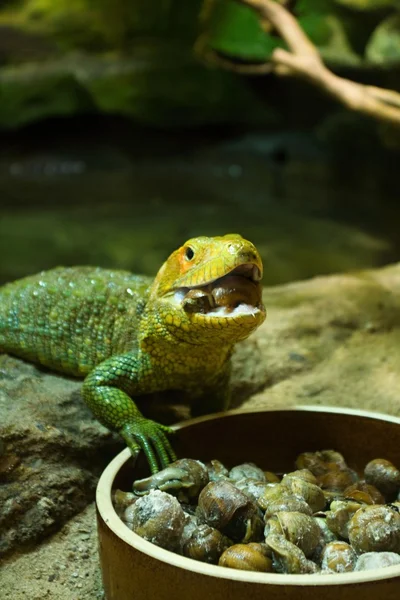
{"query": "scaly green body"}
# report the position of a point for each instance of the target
(130, 335)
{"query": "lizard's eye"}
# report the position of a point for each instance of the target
(189, 253)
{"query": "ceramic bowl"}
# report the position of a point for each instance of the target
(134, 569)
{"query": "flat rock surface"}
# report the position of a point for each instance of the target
(327, 341)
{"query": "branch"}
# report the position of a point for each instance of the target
(302, 60)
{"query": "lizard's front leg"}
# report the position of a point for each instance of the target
(107, 391)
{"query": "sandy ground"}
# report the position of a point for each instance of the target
(65, 567)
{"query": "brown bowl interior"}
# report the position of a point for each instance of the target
(271, 439)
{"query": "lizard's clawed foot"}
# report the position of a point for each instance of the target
(150, 437)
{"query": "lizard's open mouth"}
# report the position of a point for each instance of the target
(235, 294)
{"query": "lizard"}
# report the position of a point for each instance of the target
(131, 335)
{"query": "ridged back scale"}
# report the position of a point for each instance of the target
(71, 319)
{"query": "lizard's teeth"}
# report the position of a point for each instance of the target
(238, 311)
(256, 274)
(179, 295)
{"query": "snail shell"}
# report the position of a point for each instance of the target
(339, 515)
(253, 488)
(206, 544)
(338, 557)
(311, 493)
(247, 557)
(364, 493)
(246, 470)
(326, 537)
(376, 560)
(122, 500)
(216, 470)
(375, 528)
(271, 477)
(158, 518)
(304, 474)
(198, 300)
(232, 290)
(337, 480)
(277, 497)
(223, 506)
(327, 534)
(184, 477)
(287, 557)
(190, 526)
(384, 475)
(321, 462)
(299, 529)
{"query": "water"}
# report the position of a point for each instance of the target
(108, 195)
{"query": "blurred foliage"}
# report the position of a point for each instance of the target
(135, 57)
(369, 5)
(233, 29)
(103, 24)
(341, 29)
(157, 87)
(336, 27)
(384, 45)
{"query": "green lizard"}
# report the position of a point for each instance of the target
(131, 335)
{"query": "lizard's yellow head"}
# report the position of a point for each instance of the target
(210, 288)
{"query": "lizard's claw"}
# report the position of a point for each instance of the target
(150, 437)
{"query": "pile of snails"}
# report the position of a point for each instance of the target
(320, 518)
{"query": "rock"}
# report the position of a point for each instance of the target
(51, 453)
(328, 341)
(159, 85)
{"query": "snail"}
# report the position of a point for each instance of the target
(223, 506)
(190, 526)
(253, 488)
(304, 474)
(326, 533)
(297, 528)
(234, 290)
(122, 500)
(223, 295)
(158, 518)
(364, 493)
(337, 480)
(184, 477)
(376, 560)
(247, 557)
(271, 477)
(287, 557)
(315, 519)
(198, 300)
(206, 544)
(321, 462)
(246, 470)
(338, 557)
(306, 489)
(375, 528)
(384, 475)
(277, 497)
(216, 470)
(339, 515)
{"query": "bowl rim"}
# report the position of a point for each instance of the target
(112, 520)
